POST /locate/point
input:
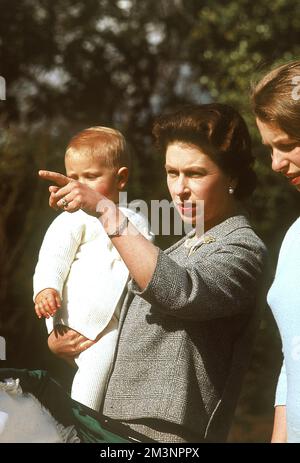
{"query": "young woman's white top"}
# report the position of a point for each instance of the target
(284, 300)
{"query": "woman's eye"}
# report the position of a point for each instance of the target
(171, 173)
(287, 147)
(195, 174)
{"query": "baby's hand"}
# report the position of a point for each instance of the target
(47, 302)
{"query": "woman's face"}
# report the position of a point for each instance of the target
(192, 175)
(285, 151)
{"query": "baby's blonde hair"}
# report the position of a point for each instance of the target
(103, 143)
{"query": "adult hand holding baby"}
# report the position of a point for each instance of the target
(67, 343)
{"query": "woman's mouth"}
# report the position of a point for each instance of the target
(294, 180)
(186, 208)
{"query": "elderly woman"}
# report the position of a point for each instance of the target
(276, 102)
(189, 319)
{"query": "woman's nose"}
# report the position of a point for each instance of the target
(181, 186)
(279, 161)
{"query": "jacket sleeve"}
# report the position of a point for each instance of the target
(221, 284)
(57, 253)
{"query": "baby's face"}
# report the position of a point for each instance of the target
(93, 173)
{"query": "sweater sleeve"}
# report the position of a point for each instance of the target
(57, 253)
(219, 285)
(281, 390)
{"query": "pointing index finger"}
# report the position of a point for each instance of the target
(59, 179)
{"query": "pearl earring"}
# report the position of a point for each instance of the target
(231, 190)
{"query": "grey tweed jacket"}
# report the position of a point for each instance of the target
(185, 341)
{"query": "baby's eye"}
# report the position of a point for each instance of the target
(92, 176)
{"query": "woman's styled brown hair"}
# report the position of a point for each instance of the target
(220, 132)
(276, 98)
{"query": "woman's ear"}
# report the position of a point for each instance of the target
(122, 177)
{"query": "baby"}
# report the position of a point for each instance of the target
(80, 280)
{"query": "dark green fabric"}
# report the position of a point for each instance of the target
(65, 410)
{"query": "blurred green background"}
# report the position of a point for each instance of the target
(71, 64)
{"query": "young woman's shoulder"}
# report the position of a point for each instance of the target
(294, 228)
(291, 239)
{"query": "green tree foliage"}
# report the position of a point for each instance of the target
(240, 41)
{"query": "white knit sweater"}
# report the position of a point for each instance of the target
(79, 260)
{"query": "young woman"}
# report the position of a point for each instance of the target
(276, 102)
